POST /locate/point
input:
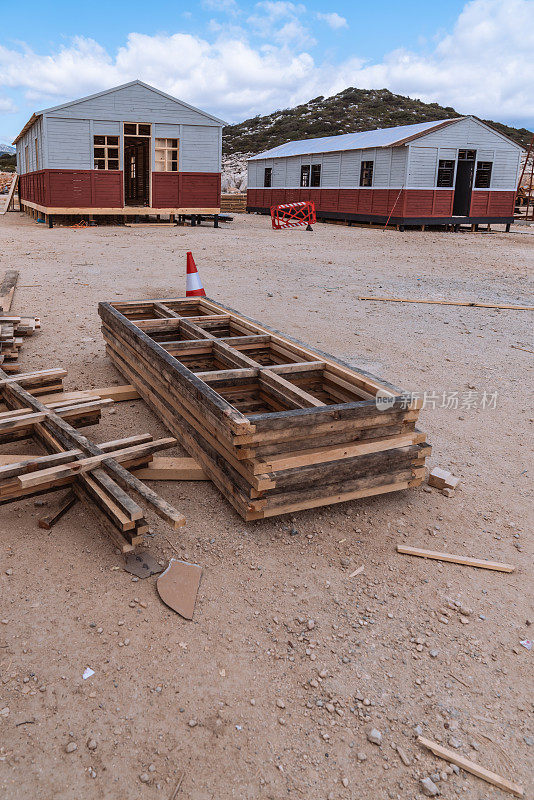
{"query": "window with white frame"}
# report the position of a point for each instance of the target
(106, 152)
(167, 155)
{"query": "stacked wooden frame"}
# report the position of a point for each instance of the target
(278, 427)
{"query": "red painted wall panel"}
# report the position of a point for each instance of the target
(199, 190)
(165, 189)
(501, 203)
(415, 203)
(67, 188)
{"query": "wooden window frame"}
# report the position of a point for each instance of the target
(106, 147)
(167, 150)
(26, 159)
(36, 153)
(137, 125)
(315, 175)
(305, 176)
(442, 180)
(467, 155)
(268, 181)
(366, 173)
(483, 174)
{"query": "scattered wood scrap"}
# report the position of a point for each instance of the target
(96, 473)
(7, 200)
(444, 480)
(61, 508)
(470, 304)
(470, 766)
(7, 289)
(13, 328)
(470, 562)
(275, 425)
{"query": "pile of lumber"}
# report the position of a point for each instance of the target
(12, 331)
(276, 426)
(98, 474)
(12, 328)
(234, 203)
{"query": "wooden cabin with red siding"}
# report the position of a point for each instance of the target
(448, 172)
(131, 150)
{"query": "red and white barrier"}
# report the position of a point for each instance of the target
(291, 215)
(193, 284)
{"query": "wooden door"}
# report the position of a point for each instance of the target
(136, 171)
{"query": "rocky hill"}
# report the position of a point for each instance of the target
(346, 112)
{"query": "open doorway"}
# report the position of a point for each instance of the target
(136, 164)
(464, 182)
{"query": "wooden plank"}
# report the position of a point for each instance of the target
(34, 379)
(116, 393)
(6, 201)
(125, 211)
(12, 465)
(470, 562)
(471, 304)
(66, 503)
(7, 289)
(67, 436)
(81, 465)
(162, 468)
(470, 766)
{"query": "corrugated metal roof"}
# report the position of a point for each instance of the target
(383, 137)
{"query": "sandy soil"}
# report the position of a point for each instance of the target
(273, 687)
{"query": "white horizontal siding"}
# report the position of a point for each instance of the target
(350, 168)
(165, 130)
(200, 149)
(330, 170)
(253, 171)
(422, 167)
(505, 172)
(69, 143)
(466, 133)
(31, 163)
(399, 159)
(382, 168)
(279, 173)
(107, 127)
(293, 171)
(134, 104)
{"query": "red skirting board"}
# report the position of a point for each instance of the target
(378, 204)
(69, 188)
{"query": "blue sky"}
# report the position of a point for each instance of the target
(236, 58)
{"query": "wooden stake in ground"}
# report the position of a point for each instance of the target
(470, 562)
(448, 303)
(7, 289)
(470, 766)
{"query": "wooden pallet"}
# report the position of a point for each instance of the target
(278, 427)
(98, 474)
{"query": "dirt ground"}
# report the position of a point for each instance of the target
(272, 689)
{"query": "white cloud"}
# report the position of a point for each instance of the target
(333, 19)
(281, 22)
(480, 67)
(7, 106)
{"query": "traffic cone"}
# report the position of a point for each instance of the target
(193, 284)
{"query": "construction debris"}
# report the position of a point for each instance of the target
(96, 473)
(470, 304)
(470, 766)
(178, 586)
(444, 480)
(470, 562)
(66, 503)
(142, 565)
(277, 426)
(7, 290)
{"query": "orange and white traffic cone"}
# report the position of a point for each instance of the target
(193, 284)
